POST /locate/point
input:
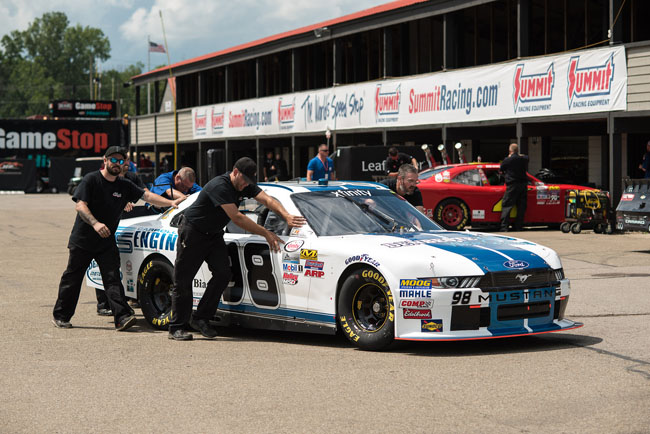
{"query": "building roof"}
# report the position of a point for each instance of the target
(344, 19)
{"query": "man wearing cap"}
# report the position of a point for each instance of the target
(100, 199)
(200, 238)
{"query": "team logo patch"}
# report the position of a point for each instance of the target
(516, 265)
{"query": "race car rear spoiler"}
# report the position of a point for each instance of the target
(633, 210)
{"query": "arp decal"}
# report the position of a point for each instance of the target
(431, 326)
(314, 273)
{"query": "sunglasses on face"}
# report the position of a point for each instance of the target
(116, 160)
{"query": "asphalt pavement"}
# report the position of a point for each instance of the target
(91, 378)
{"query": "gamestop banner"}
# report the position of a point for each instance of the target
(61, 138)
(583, 82)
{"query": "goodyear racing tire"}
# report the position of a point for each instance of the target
(366, 311)
(154, 286)
(452, 214)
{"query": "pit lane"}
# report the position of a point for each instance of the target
(594, 379)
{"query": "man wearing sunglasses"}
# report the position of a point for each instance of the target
(100, 200)
(321, 166)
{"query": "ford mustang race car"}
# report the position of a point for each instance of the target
(458, 195)
(366, 263)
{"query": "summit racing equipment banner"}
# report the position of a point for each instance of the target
(581, 82)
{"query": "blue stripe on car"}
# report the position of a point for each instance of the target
(486, 252)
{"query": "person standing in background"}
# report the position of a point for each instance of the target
(515, 169)
(321, 166)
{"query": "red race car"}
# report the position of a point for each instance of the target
(457, 195)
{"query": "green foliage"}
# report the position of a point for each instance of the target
(52, 60)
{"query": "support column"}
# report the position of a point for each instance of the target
(199, 165)
(616, 34)
(258, 159)
(615, 162)
(294, 158)
(523, 30)
(227, 157)
(388, 48)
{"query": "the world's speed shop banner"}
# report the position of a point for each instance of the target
(582, 82)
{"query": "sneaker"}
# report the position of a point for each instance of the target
(125, 323)
(104, 312)
(180, 335)
(59, 323)
(204, 327)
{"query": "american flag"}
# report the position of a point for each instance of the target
(156, 48)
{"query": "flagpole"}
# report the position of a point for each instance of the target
(172, 91)
(148, 69)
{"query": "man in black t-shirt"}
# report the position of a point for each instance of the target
(100, 199)
(103, 307)
(406, 185)
(200, 238)
(515, 169)
(396, 159)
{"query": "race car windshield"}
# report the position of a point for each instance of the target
(346, 212)
(426, 174)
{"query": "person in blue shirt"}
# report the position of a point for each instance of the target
(321, 166)
(178, 183)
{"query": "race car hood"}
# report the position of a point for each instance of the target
(470, 252)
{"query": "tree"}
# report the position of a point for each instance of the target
(49, 60)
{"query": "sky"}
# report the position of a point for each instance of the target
(193, 27)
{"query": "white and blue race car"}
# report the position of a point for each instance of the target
(366, 262)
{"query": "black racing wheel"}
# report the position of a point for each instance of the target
(154, 292)
(366, 311)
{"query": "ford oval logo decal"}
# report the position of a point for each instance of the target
(517, 265)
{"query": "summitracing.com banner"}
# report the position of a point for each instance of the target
(582, 82)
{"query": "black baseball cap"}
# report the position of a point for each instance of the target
(248, 168)
(116, 150)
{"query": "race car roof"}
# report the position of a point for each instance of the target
(305, 186)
